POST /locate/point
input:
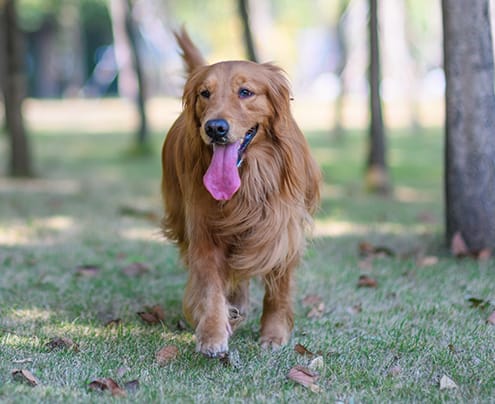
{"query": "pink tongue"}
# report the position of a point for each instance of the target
(222, 177)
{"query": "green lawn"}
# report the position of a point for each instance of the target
(93, 206)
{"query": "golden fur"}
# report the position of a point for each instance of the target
(259, 231)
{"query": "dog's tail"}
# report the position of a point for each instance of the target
(190, 53)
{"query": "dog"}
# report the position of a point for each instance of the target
(240, 188)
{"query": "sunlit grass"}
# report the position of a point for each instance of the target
(417, 319)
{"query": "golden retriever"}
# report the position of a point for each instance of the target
(239, 187)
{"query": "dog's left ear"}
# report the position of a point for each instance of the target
(279, 91)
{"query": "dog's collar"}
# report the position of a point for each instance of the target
(250, 134)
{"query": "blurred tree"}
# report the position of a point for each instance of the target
(339, 102)
(13, 86)
(248, 36)
(377, 179)
(131, 78)
(470, 123)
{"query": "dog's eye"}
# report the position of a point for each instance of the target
(245, 93)
(205, 94)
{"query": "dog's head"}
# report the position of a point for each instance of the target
(230, 102)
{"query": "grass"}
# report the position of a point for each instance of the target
(93, 204)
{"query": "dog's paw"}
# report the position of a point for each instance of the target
(273, 343)
(274, 336)
(211, 343)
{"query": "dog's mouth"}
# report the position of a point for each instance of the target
(248, 137)
(222, 178)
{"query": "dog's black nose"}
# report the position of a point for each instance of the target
(217, 130)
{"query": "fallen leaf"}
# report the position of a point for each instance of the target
(427, 261)
(316, 311)
(25, 376)
(311, 300)
(132, 386)
(458, 246)
(447, 383)
(316, 363)
(166, 354)
(302, 350)
(355, 309)
(305, 377)
(491, 319)
(88, 270)
(109, 384)
(62, 343)
(478, 303)
(366, 281)
(135, 269)
(366, 264)
(152, 315)
(113, 323)
(395, 371)
(368, 249)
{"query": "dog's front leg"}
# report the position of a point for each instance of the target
(277, 319)
(205, 305)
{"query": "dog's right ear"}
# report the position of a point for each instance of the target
(190, 53)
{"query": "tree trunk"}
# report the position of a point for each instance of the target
(248, 36)
(470, 123)
(13, 85)
(376, 170)
(341, 40)
(131, 78)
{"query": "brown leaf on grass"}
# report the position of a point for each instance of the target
(302, 350)
(113, 323)
(25, 376)
(316, 363)
(446, 383)
(152, 315)
(62, 343)
(166, 354)
(311, 300)
(367, 249)
(427, 261)
(305, 377)
(316, 311)
(366, 264)
(395, 371)
(478, 303)
(135, 269)
(88, 270)
(355, 309)
(366, 281)
(491, 319)
(107, 383)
